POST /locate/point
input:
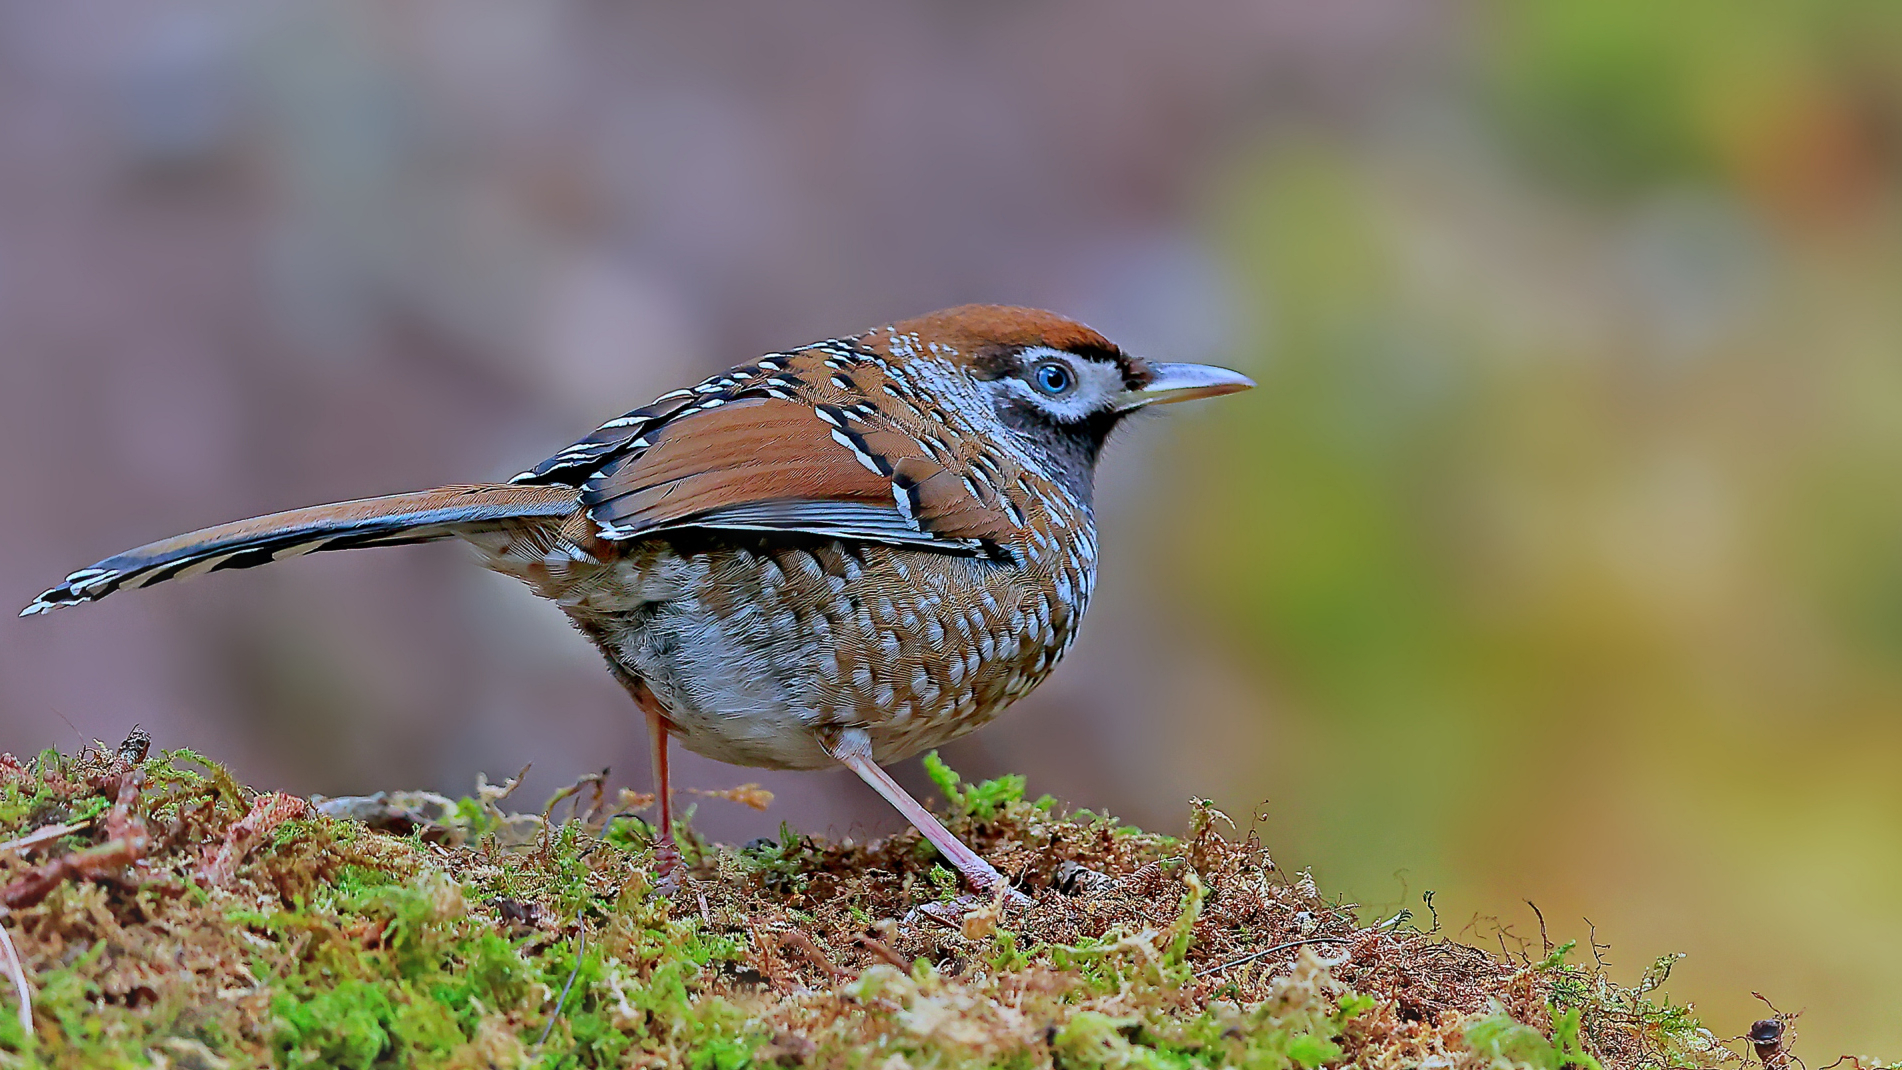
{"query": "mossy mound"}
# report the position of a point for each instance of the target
(167, 916)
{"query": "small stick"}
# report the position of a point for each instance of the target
(571, 791)
(748, 795)
(490, 794)
(803, 944)
(127, 843)
(600, 798)
(881, 950)
(42, 834)
(766, 947)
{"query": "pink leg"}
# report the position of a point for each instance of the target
(666, 852)
(855, 751)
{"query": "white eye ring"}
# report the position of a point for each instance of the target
(1053, 378)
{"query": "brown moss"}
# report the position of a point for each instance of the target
(237, 936)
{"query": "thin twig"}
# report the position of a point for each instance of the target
(581, 947)
(127, 841)
(1597, 948)
(18, 973)
(490, 794)
(881, 950)
(803, 944)
(749, 795)
(1271, 950)
(766, 953)
(574, 791)
(595, 803)
(1545, 942)
(44, 833)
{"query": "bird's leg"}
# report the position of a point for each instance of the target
(854, 750)
(666, 852)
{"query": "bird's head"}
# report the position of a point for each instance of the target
(1059, 384)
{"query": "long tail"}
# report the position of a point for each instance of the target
(391, 520)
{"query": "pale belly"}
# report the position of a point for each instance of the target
(758, 652)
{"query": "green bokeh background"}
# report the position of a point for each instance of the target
(1561, 548)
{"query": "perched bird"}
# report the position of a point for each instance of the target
(848, 552)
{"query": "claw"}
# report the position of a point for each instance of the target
(958, 913)
(670, 872)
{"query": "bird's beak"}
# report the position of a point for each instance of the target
(1184, 382)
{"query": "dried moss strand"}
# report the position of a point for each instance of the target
(581, 950)
(1266, 951)
(18, 973)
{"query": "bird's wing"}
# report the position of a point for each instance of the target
(776, 464)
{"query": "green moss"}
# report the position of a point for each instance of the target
(1508, 1044)
(975, 802)
(338, 946)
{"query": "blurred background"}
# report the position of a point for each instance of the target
(1558, 557)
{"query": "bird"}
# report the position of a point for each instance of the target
(846, 553)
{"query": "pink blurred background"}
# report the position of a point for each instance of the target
(1559, 556)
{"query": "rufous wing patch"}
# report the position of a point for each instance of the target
(767, 464)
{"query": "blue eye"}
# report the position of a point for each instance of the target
(1052, 378)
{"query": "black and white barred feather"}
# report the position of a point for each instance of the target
(391, 520)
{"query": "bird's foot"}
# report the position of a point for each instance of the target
(670, 872)
(988, 884)
(974, 913)
(1013, 899)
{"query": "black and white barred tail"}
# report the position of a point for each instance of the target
(392, 520)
